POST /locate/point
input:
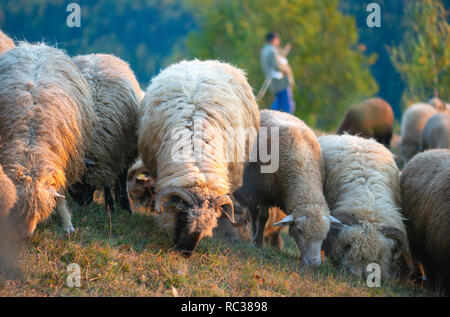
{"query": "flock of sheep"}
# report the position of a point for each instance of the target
(71, 126)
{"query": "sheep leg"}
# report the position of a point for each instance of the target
(259, 218)
(66, 218)
(275, 240)
(120, 191)
(109, 201)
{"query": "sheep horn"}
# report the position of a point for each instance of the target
(56, 194)
(225, 200)
(285, 221)
(89, 161)
(336, 223)
(403, 249)
(170, 191)
(347, 219)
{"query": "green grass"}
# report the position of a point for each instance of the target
(125, 255)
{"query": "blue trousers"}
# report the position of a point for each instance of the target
(284, 101)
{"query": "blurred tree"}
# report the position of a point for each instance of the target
(423, 57)
(376, 40)
(330, 70)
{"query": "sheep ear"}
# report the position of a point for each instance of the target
(89, 161)
(142, 177)
(286, 221)
(336, 223)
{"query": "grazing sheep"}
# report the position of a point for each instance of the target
(436, 133)
(113, 149)
(425, 189)
(373, 118)
(296, 186)
(413, 122)
(5, 43)
(141, 190)
(8, 195)
(192, 127)
(362, 190)
(46, 116)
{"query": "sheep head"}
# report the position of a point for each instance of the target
(309, 230)
(37, 198)
(140, 186)
(353, 244)
(194, 216)
(82, 192)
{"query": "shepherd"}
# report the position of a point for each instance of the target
(278, 73)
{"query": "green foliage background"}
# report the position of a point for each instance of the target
(337, 59)
(423, 57)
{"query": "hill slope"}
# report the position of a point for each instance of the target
(125, 255)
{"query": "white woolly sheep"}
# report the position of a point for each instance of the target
(362, 190)
(113, 149)
(189, 137)
(46, 115)
(436, 133)
(413, 122)
(5, 43)
(425, 189)
(296, 186)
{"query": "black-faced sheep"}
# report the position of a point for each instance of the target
(113, 149)
(425, 190)
(193, 122)
(363, 191)
(46, 117)
(141, 190)
(5, 43)
(413, 122)
(373, 118)
(296, 186)
(436, 133)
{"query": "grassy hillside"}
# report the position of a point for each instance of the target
(125, 255)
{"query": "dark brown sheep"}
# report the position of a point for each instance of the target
(373, 118)
(425, 190)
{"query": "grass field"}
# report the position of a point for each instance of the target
(123, 255)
